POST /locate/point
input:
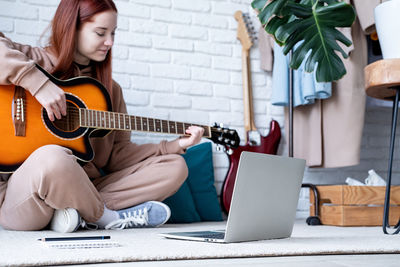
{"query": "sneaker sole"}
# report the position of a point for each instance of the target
(65, 214)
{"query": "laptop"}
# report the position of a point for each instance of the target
(264, 201)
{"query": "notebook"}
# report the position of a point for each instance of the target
(81, 244)
(264, 201)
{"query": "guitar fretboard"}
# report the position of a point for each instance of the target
(120, 121)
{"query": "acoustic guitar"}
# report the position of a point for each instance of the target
(25, 125)
(267, 144)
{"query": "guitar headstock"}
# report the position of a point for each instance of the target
(224, 136)
(245, 30)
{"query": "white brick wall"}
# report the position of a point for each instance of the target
(180, 60)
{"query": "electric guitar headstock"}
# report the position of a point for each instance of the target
(229, 138)
(245, 30)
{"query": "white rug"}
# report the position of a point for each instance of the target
(22, 248)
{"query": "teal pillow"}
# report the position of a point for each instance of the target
(197, 199)
(182, 206)
(201, 182)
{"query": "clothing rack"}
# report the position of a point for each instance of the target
(311, 220)
(290, 132)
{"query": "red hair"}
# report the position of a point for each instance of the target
(69, 17)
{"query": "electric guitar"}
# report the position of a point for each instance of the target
(267, 144)
(25, 125)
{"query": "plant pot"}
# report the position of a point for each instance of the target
(387, 23)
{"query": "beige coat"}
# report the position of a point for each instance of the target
(328, 133)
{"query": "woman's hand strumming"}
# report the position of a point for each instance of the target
(52, 98)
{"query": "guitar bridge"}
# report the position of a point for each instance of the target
(19, 111)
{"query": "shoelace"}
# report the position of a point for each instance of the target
(85, 225)
(89, 226)
(131, 219)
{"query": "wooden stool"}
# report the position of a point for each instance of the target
(382, 81)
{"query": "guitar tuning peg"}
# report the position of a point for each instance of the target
(221, 148)
(232, 142)
(217, 126)
(229, 151)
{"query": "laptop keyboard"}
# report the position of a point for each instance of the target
(215, 235)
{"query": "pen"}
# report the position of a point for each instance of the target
(74, 238)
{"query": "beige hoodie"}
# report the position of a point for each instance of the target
(113, 152)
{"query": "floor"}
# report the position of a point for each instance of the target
(387, 260)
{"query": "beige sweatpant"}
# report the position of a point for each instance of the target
(51, 178)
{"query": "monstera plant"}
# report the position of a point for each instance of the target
(308, 29)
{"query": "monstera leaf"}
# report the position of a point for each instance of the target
(308, 28)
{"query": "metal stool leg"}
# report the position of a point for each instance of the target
(386, 225)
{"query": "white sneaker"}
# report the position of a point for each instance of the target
(66, 221)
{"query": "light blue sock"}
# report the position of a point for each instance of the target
(107, 217)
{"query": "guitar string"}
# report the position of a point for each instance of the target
(139, 125)
(75, 114)
(104, 122)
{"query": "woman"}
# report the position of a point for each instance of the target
(51, 186)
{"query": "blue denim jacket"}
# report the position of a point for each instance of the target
(305, 87)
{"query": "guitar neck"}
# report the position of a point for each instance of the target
(120, 121)
(247, 92)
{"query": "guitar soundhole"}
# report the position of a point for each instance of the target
(70, 122)
(68, 127)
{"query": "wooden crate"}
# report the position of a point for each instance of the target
(345, 205)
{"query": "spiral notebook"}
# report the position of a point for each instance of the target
(81, 244)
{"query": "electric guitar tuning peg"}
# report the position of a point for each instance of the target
(220, 148)
(229, 151)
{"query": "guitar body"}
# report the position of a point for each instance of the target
(269, 145)
(81, 92)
